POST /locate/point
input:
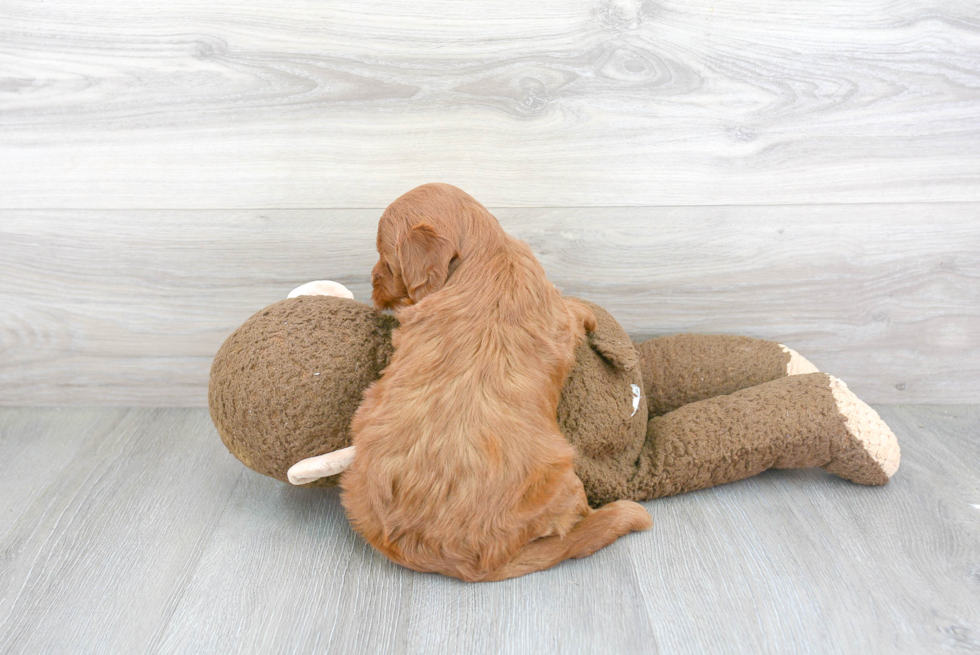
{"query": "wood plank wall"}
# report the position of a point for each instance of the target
(806, 171)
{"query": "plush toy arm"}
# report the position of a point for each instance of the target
(686, 368)
(794, 422)
(312, 469)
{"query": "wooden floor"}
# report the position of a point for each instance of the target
(133, 530)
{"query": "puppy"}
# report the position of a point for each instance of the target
(460, 467)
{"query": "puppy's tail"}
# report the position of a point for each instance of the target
(597, 530)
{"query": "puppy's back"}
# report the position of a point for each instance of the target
(460, 463)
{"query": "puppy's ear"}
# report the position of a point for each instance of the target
(424, 256)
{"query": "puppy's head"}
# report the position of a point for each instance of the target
(423, 236)
(412, 265)
(418, 237)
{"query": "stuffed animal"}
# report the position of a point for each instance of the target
(666, 416)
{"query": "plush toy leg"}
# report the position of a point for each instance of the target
(794, 422)
(686, 368)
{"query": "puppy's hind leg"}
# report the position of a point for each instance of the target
(597, 530)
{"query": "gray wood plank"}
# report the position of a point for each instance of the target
(169, 104)
(803, 562)
(98, 559)
(289, 575)
(153, 539)
(33, 463)
(128, 307)
(294, 578)
(574, 608)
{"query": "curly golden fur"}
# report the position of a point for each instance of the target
(460, 466)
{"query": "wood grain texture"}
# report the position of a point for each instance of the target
(807, 558)
(128, 308)
(150, 537)
(174, 104)
(97, 551)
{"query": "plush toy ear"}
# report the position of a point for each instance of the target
(321, 288)
(424, 256)
(611, 342)
(616, 350)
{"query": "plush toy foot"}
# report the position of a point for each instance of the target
(798, 421)
(871, 455)
(797, 364)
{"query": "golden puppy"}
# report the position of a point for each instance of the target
(460, 467)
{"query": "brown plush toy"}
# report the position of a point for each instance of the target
(666, 416)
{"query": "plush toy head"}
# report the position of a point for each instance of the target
(285, 385)
(602, 412)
